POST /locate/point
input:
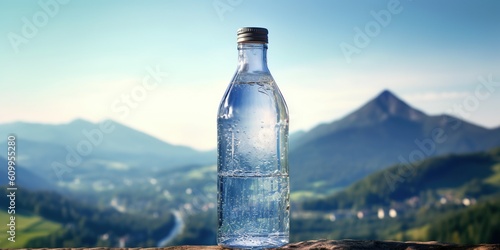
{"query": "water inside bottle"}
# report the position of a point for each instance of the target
(252, 169)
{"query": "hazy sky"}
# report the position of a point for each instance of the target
(162, 66)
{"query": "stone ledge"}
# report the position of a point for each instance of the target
(330, 244)
(374, 244)
(359, 245)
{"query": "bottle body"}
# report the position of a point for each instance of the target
(252, 135)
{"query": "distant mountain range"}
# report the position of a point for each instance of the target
(382, 132)
(82, 147)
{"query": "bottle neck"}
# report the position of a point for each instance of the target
(252, 57)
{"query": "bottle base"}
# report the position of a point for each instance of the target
(253, 242)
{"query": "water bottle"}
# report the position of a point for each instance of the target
(252, 144)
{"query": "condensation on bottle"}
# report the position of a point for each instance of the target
(252, 143)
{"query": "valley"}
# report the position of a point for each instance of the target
(385, 171)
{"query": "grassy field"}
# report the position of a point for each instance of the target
(495, 178)
(27, 227)
(414, 234)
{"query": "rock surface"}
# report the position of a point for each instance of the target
(359, 244)
(373, 244)
(330, 244)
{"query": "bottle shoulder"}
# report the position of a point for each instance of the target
(253, 99)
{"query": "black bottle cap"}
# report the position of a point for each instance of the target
(252, 35)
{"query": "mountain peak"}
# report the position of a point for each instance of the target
(390, 103)
(387, 104)
(387, 95)
(384, 106)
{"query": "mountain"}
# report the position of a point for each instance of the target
(456, 176)
(385, 106)
(85, 148)
(119, 138)
(382, 132)
(295, 137)
(24, 178)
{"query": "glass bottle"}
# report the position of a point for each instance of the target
(252, 145)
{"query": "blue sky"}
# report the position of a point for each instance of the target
(80, 58)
